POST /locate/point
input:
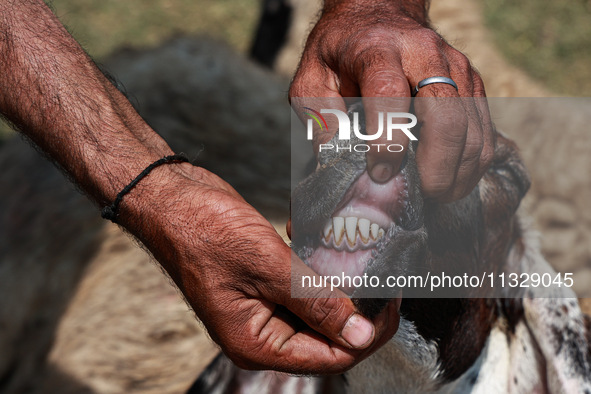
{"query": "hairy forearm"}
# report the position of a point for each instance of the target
(415, 9)
(54, 93)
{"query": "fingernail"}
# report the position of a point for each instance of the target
(358, 332)
(382, 172)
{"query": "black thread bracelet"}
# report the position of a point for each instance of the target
(110, 211)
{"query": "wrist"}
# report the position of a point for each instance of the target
(103, 171)
(110, 212)
(150, 202)
(414, 9)
(154, 211)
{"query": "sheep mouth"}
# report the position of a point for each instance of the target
(366, 221)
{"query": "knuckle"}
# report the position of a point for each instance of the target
(325, 311)
(247, 354)
(460, 60)
(431, 39)
(434, 57)
(369, 58)
(371, 37)
(397, 85)
(306, 76)
(387, 83)
(296, 86)
(369, 44)
(380, 72)
(433, 48)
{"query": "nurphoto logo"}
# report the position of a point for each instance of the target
(344, 132)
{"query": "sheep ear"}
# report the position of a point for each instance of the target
(506, 182)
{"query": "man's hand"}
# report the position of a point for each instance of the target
(236, 272)
(228, 261)
(383, 49)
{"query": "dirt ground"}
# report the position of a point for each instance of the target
(151, 343)
(461, 23)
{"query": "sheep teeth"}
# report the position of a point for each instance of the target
(327, 231)
(364, 226)
(338, 226)
(374, 228)
(351, 229)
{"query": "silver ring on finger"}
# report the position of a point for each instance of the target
(432, 80)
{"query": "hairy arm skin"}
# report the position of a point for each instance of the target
(228, 261)
(414, 9)
(382, 49)
(53, 92)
